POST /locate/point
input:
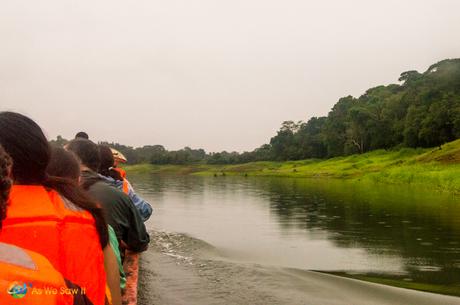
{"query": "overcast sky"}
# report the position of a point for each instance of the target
(214, 74)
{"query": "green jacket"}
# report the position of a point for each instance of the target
(115, 246)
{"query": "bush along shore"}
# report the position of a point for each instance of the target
(436, 168)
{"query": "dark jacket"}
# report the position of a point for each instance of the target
(120, 211)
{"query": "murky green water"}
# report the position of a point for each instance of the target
(397, 232)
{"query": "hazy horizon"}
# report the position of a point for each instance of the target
(212, 74)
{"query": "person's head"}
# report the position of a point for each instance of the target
(26, 144)
(118, 158)
(5, 182)
(106, 157)
(64, 164)
(107, 163)
(82, 135)
(87, 152)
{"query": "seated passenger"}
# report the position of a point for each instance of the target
(114, 178)
(47, 215)
(122, 215)
(64, 164)
(25, 274)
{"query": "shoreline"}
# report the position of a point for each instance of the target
(436, 169)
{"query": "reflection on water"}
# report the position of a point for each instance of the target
(314, 224)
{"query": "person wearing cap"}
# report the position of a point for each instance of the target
(118, 158)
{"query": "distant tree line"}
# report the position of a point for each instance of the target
(422, 111)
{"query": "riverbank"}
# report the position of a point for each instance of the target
(436, 168)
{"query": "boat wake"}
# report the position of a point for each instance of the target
(179, 269)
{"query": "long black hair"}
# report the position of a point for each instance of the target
(5, 182)
(63, 164)
(26, 144)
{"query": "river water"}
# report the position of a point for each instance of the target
(392, 232)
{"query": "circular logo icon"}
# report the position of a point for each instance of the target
(17, 290)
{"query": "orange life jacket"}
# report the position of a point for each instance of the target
(42, 221)
(121, 171)
(27, 278)
(125, 186)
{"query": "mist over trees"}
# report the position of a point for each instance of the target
(422, 111)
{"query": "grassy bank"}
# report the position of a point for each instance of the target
(437, 168)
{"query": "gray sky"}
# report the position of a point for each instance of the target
(215, 74)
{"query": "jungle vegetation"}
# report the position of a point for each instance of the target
(421, 111)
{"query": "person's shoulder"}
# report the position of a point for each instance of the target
(99, 186)
(111, 181)
(111, 191)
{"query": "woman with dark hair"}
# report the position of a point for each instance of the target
(49, 215)
(24, 266)
(65, 164)
(113, 177)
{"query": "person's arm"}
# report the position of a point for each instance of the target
(144, 208)
(112, 274)
(137, 239)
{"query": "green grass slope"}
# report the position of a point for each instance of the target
(437, 168)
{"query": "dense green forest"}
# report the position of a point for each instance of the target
(423, 110)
